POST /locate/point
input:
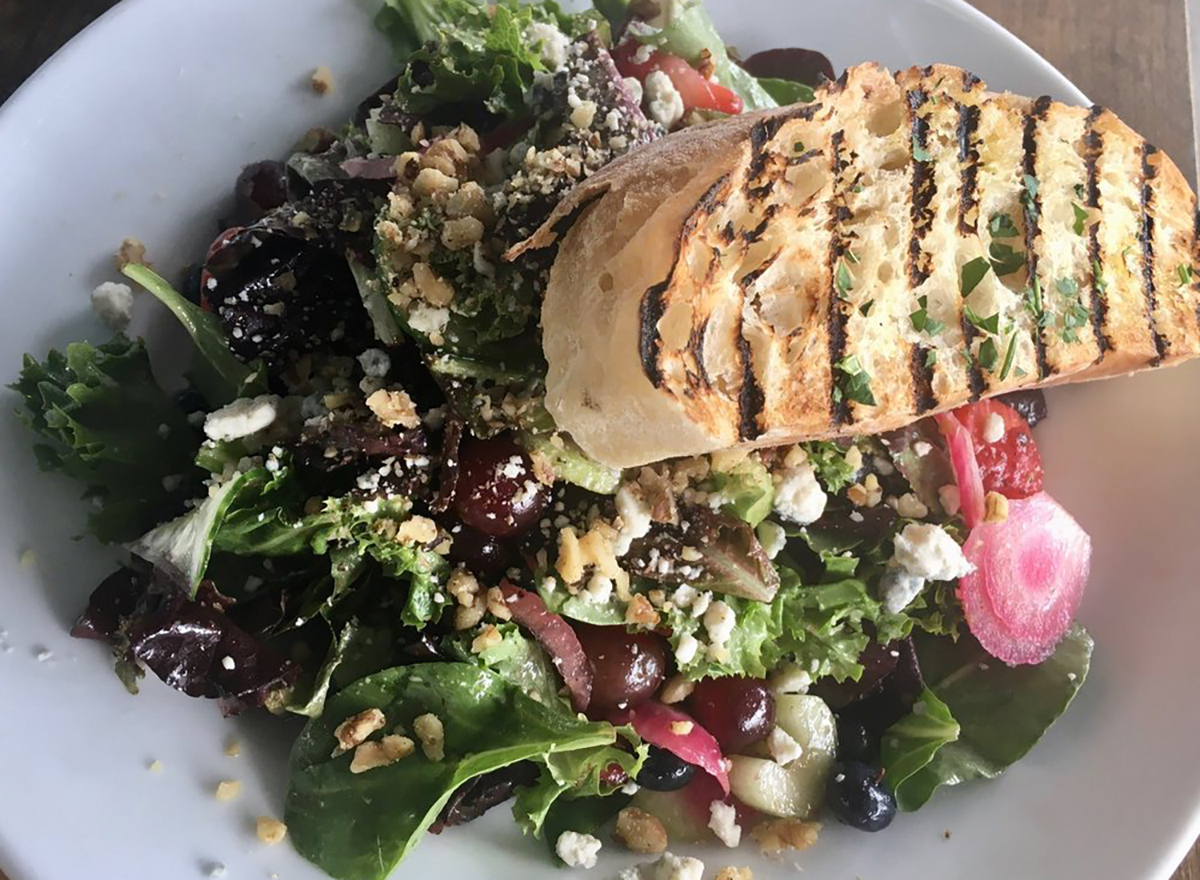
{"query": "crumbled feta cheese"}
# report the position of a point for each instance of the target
(228, 663)
(664, 103)
(243, 417)
(684, 595)
(927, 551)
(993, 428)
(722, 819)
(772, 538)
(428, 320)
(634, 85)
(799, 497)
(700, 603)
(950, 499)
(673, 867)
(554, 44)
(635, 518)
(599, 589)
(719, 621)
(686, 650)
(114, 304)
(783, 748)
(375, 362)
(790, 678)
(898, 587)
(922, 449)
(577, 850)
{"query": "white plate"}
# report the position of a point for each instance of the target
(139, 128)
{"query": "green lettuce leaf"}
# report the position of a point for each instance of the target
(517, 659)
(409, 24)
(786, 91)
(360, 826)
(829, 461)
(563, 457)
(219, 374)
(105, 422)
(913, 741)
(1001, 712)
(748, 488)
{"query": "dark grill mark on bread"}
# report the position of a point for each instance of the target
(1161, 343)
(696, 350)
(1033, 209)
(649, 314)
(806, 156)
(839, 406)
(921, 196)
(1195, 252)
(922, 377)
(968, 158)
(969, 80)
(750, 395)
(752, 235)
(1093, 146)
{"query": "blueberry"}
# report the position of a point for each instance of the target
(855, 742)
(859, 798)
(665, 771)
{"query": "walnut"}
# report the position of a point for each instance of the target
(392, 408)
(489, 638)
(431, 182)
(731, 873)
(496, 605)
(995, 507)
(357, 728)
(659, 495)
(775, 836)
(417, 530)
(432, 734)
(639, 612)
(570, 560)
(433, 289)
(463, 586)
(322, 80)
(380, 753)
(228, 789)
(131, 252)
(640, 832)
(676, 690)
(461, 233)
(469, 616)
(270, 831)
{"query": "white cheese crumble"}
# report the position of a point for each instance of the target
(242, 418)
(428, 320)
(898, 587)
(635, 518)
(722, 819)
(719, 621)
(950, 499)
(577, 850)
(375, 363)
(993, 428)
(673, 867)
(686, 650)
(783, 748)
(772, 538)
(555, 45)
(113, 303)
(790, 678)
(634, 85)
(700, 603)
(799, 497)
(663, 101)
(927, 551)
(599, 589)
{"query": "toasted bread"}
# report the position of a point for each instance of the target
(799, 273)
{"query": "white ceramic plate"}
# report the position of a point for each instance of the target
(139, 127)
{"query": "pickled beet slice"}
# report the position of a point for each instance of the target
(554, 634)
(679, 733)
(1030, 574)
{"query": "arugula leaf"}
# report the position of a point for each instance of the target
(1002, 711)
(1186, 272)
(104, 421)
(220, 375)
(1098, 279)
(988, 354)
(911, 743)
(972, 273)
(844, 281)
(360, 826)
(1029, 195)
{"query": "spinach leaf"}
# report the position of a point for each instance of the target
(913, 741)
(1002, 711)
(360, 826)
(220, 375)
(105, 422)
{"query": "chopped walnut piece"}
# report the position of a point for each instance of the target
(463, 586)
(489, 638)
(777, 835)
(640, 832)
(131, 253)
(432, 734)
(639, 612)
(462, 232)
(380, 753)
(431, 182)
(732, 873)
(433, 289)
(357, 728)
(469, 616)
(995, 507)
(676, 690)
(570, 560)
(417, 530)
(727, 459)
(596, 548)
(228, 789)
(659, 496)
(269, 831)
(681, 728)
(393, 408)
(322, 80)
(496, 605)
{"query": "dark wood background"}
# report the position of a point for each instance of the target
(1129, 56)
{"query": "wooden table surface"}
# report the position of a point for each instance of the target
(1130, 57)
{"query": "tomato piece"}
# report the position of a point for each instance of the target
(697, 91)
(1010, 465)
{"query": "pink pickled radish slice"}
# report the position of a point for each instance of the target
(654, 721)
(966, 468)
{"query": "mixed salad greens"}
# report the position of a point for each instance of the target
(359, 511)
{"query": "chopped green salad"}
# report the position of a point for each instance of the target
(358, 510)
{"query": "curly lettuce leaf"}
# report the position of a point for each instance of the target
(361, 826)
(517, 659)
(105, 422)
(219, 374)
(409, 24)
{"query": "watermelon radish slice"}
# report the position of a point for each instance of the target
(653, 722)
(1030, 573)
(966, 468)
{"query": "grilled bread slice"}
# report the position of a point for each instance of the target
(902, 245)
